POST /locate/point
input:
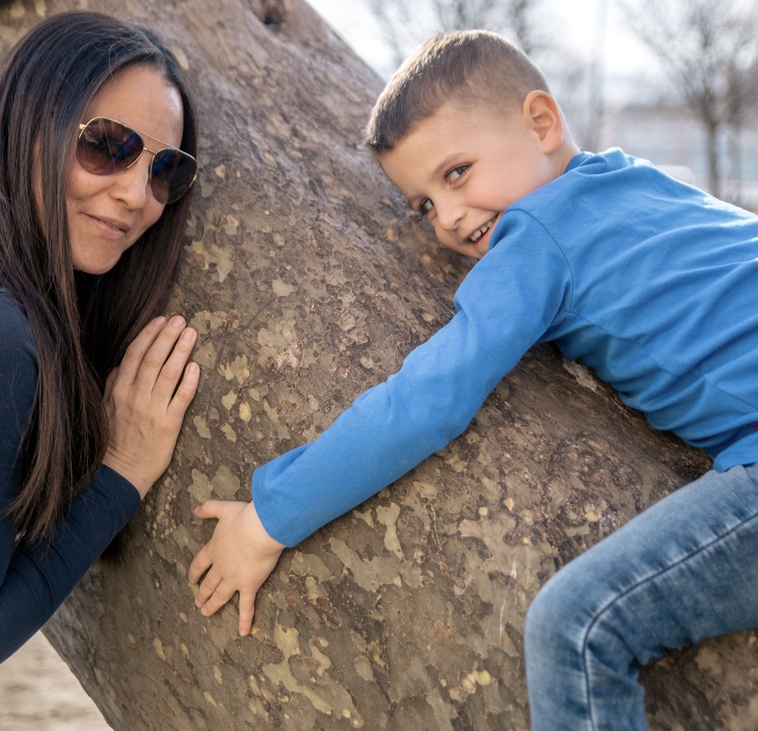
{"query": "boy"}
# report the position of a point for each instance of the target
(650, 282)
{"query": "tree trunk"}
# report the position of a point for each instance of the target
(308, 283)
(712, 149)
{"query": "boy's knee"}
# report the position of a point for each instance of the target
(559, 611)
(543, 618)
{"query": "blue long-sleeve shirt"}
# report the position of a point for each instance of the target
(34, 581)
(650, 282)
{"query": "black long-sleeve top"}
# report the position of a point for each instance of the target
(35, 580)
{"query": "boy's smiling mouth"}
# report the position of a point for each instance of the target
(481, 231)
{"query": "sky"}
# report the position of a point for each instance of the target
(575, 24)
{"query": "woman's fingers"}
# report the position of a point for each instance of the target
(109, 381)
(156, 362)
(159, 352)
(146, 399)
(137, 349)
(185, 393)
(164, 360)
(173, 367)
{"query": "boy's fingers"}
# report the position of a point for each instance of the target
(207, 588)
(224, 592)
(200, 564)
(247, 612)
(204, 558)
(210, 509)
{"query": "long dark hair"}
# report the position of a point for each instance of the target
(81, 324)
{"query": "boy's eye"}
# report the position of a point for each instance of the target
(425, 206)
(455, 173)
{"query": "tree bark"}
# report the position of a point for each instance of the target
(308, 283)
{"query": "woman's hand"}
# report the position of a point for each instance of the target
(146, 398)
(238, 558)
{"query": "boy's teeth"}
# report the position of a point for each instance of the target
(478, 234)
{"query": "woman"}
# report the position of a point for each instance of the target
(97, 145)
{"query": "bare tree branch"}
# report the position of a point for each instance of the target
(404, 27)
(708, 50)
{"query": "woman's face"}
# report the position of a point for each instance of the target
(108, 213)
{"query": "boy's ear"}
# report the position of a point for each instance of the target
(543, 116)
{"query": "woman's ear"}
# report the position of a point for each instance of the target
(543, 117)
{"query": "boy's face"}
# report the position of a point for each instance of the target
(462, 167)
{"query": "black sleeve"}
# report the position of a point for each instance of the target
(33, 580)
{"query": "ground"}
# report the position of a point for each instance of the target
(39, 693)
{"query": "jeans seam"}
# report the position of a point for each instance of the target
(636, 585)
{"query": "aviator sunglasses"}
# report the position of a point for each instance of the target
(106, 146)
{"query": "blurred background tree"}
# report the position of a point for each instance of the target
(709, 53)
(406, 25)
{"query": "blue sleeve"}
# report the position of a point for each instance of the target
(502, 310)
(34, 582)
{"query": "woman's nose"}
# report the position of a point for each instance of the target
(133, 184)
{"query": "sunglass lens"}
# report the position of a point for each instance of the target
(172, 174)
(105, 147)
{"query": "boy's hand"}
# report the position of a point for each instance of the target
(238, 558)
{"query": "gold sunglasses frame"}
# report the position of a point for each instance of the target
(142, 136)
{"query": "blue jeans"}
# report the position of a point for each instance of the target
(683, 570)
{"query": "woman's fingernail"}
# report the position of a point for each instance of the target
(177, 321)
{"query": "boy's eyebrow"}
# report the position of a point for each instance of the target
(437, 171)
(444, 164)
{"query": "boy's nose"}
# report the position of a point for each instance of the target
(448, 215)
